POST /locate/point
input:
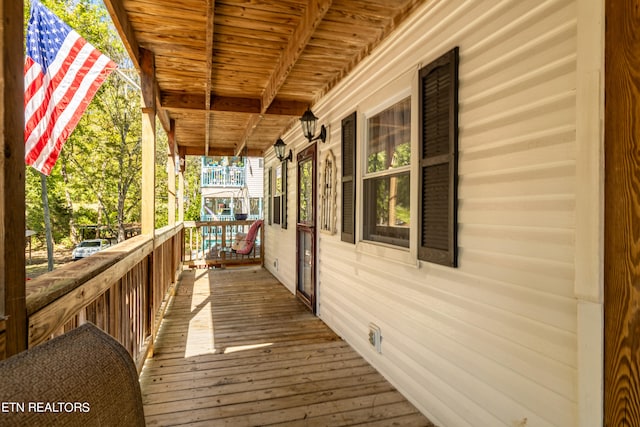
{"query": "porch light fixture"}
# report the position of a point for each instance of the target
(279, 148)
(308, 122)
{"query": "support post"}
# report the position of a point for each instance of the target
(13, 319)
(622, 215)
(171, 174)
(171, 189)
(181, 197)
(147, 85)
(183, 166)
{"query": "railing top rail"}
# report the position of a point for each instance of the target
(191, 224)
(50, 286)
(165, 233)
(47, 288)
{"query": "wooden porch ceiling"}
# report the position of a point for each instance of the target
(236, 74)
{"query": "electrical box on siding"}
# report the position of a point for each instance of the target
(375, 337)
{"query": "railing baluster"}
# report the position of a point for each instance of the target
(221, 176)
(218, 238)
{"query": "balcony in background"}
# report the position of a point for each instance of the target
(223, 176)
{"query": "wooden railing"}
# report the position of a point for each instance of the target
(123, 290)
(210, 244)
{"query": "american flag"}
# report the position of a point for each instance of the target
(62, 73)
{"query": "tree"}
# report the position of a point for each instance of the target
(192, 194)
(162, 187)
(97, 177)
(106, 155)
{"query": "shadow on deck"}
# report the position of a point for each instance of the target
(236, 348)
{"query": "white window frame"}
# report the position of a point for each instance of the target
(401, 88)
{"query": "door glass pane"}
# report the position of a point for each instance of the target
(305, 263)
(305, 202)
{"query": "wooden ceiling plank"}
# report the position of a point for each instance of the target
(226, 33)
(279, 7)
(312, 17)
(218, 151)
(124, 28)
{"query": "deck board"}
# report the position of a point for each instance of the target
(237, 349)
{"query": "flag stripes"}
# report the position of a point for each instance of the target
(61, 78)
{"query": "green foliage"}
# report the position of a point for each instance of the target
(104, 155)
(192, 195)
(162, 187)
(60, 215)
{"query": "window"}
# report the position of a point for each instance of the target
(387, 189)
(438, 100)
(277, 195)
(280, 195)
(255, 207)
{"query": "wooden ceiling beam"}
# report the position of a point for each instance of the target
(123, 25)
(177, 101)
(313, 15)
(171, 134)
(217, 151)
(253, 122)
(162, 114)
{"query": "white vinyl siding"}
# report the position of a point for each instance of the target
(493, 342)
(254, 176)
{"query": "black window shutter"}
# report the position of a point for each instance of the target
(348, 175)
(438, 126)
(269, 192)
(285, 170)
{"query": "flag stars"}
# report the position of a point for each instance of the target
(46, 36)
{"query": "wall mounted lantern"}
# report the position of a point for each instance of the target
(279, 148)
(308, 122)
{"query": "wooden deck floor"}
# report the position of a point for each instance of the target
(237, 349)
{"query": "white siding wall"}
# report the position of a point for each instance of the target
(493, 342)
(280, 244)
(254, 177)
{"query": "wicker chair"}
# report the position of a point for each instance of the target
(82, 378)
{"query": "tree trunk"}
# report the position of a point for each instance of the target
(47, 222)
(73, 230)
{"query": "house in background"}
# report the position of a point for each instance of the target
(231, 186)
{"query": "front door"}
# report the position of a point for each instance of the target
(306, 227)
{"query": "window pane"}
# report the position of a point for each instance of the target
(278, 190)
(387, 209)
(389, 138)
(305, 202)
